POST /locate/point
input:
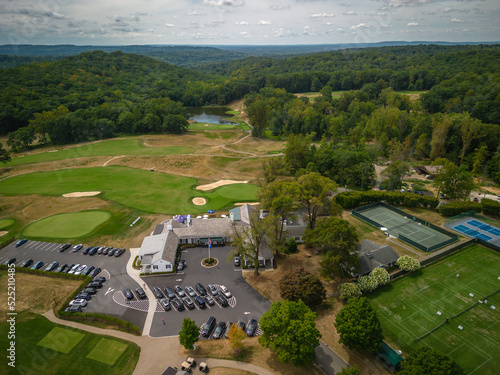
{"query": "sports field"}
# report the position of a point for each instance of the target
(149, 191)
(454, 288)
(405, 227)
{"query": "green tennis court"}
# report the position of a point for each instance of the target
(463, 288)
(408, 228)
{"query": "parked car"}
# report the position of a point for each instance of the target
(212, 289)
(100, 250)
(180, 292)
(251, 327)
(96, 272)
(157, 292)
(169, 292)
(100, 278)
(21, 242)
(119, 252)
(73, 309)
(225, 291)
(64, 247)
(37, 265)
(190, 291)
(200, 302)
(140, 293)
(178, 304)
(26, 263)
(201, 289)
(105, 251)
(10, 261)
(208, 327)
(181, 265)
(165, 303)
(80, 269)
(237, 261)
(90, 290)
(128, 294)
(221, 300)
(86, 250)
(475, 199)
(229, 324)
(219, 330)
(52, 266)
(241, 325)
(94, 284)
(89, 270)
(189, 304)
(69, 268)
(79, 302)
(209, 300)
(73, 268)
(62, 268)
(93, 251)
(83, 295)
(111, 252)
(77, 247)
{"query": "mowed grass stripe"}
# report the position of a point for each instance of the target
(70, 225)
(112, 147)
(107, 351)
(148, 191)
(61, 340)
(421, 294)
(4, 223)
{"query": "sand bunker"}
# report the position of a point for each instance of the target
(79, 194)
(3, 233)
(249, 203)
(219, 183)
(199, 201)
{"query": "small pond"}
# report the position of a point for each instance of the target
(210, 115)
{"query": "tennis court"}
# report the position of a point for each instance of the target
(408, 228)
(475, 226)
(452, 306)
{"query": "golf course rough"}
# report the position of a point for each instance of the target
(70, 225)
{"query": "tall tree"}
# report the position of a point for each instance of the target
(290, 330)
(302, 285)
(453, 181)
(40, 120)
(470, 129)
(440, 126)
(189, 334)
(21, 138)
(358, 325)
(4, 154)
(259, 116)
(235, 337)
(428, 361)
(297, 151)
(314, 196)
(338, 241)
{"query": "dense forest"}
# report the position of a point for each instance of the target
(99, 95)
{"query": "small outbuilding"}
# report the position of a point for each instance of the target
(390, 358)
(372, 255)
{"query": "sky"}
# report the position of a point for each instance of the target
(247, 22)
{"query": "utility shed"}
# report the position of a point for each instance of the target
(390, 358)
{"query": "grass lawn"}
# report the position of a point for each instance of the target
(35, 359)
(61, 339)
(207, 126)
(148, 191)
(70, 225)
(409, 307)
(4, 223)
(107, 351)
(114, 147)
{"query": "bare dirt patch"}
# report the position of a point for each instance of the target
(219, 183)
(199, 201)
(79, 194)
(3, 233)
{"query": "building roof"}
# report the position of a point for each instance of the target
(203, 228)
(429, 169)
(373, 255)
(389, 354)
(158, 229)
(159, 246)
(245, 212)
(234, 213)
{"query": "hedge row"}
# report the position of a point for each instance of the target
(353, 199)
(457, 207)
(491, 207)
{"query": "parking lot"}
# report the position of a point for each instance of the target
(245, 303)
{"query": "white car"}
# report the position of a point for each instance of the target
(73, 269)
(80, 269)
(190, 291)
(78, 302)
(225, 291)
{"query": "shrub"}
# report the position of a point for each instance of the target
(459, 207)
(291, 246)
(490, 207)
(349, 290)
(353, 199)
(367, 283)
(407, 263)
(381, 275)
(301, 285)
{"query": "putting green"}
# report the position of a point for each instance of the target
(61, 340)
(71, 225)
(4, 223)
(107, 351)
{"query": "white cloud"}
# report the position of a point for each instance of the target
(262, 22)
(221, 3)
(359, 26)
(349, 13)
(169, 25)
(456, 20)
(412, 24)
(279, 7)
(241, 23)
(196, 14)
(322, 15)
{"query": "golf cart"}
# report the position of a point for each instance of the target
(204, 367)
(188, 364)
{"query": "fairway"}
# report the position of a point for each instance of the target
(151, 192)
(107, 351)
(4, 223)
(61, 340)
(410, 307)
(71, 225)
(114, 147)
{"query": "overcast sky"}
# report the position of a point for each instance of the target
(202, 22)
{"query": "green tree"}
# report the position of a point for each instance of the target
(407, 263)
(358, 326)
(290, 330)
(302, 285)
(354, 370)
(428, 361)
(338, 241)
(259, 116)
(314, 196)
(235, 336)
(453, 181)
(21, 138)
(440, 126)
(297, 152)
(189, 334)
(274, 168)
(349, 290)
(4, 154)
(470, 129)
(381, 275)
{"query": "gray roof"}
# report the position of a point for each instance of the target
(380, 255)
(245, 212)
(235, 212)
(202, 228)
(160, 246)
(158, 229)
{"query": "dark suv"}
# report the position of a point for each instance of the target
(140, 293)
(201, 289)
(208, 327)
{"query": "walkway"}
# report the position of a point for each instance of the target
(328, 360)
